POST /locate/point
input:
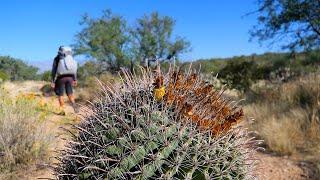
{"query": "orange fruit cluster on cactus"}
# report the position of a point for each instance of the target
(199, 102)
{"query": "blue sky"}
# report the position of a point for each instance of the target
(33, 29)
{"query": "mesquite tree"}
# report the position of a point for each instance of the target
(295, 21)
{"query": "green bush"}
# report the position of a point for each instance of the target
(239, 74)
(3, 76)
(46, 76)
(88, 69)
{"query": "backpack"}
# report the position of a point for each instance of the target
(66, 65)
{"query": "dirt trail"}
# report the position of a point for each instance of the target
(54, 124)
(269, 167)
(272, 167)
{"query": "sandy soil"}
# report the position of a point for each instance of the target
(272, 167)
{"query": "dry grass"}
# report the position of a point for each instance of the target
(22, 140)
(287, 116)
(282, 133)
(90, 87)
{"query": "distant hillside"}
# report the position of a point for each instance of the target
(267, 59)
(42, 65)
(16, 69)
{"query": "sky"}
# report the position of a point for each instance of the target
(33, 30)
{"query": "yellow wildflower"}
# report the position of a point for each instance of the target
(159, 93)
(42, 102)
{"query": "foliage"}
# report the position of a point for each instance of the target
(112, 44)
(294, 20)
(16, 69)
(153, 37)
(127, 134)
(314, 58)
(104, 39)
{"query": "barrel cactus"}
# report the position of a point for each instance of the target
(189, 133)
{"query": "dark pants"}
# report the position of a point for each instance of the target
(63, 83)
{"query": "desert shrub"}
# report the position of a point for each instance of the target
(133, 132)
(46, 76)
(22, 137)
(239, 74)
(312, 58)
(47, 90)
(88, 69)
(4, 76)
(206, 66)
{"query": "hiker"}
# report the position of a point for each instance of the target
(64, 76)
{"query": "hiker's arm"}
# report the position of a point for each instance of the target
(74, 76)
(75, 82)
(54, 69)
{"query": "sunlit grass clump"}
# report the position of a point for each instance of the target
(23, 140)
(287, 116)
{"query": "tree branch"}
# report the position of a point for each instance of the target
(314, 28)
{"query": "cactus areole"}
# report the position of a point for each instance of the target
(173, 126)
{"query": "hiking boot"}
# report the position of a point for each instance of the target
(62, 113)
(75, 108)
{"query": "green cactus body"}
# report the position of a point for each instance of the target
(127, 134)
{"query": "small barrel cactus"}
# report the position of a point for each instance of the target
(128, 133)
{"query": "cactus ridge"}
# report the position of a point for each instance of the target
(128, 134)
